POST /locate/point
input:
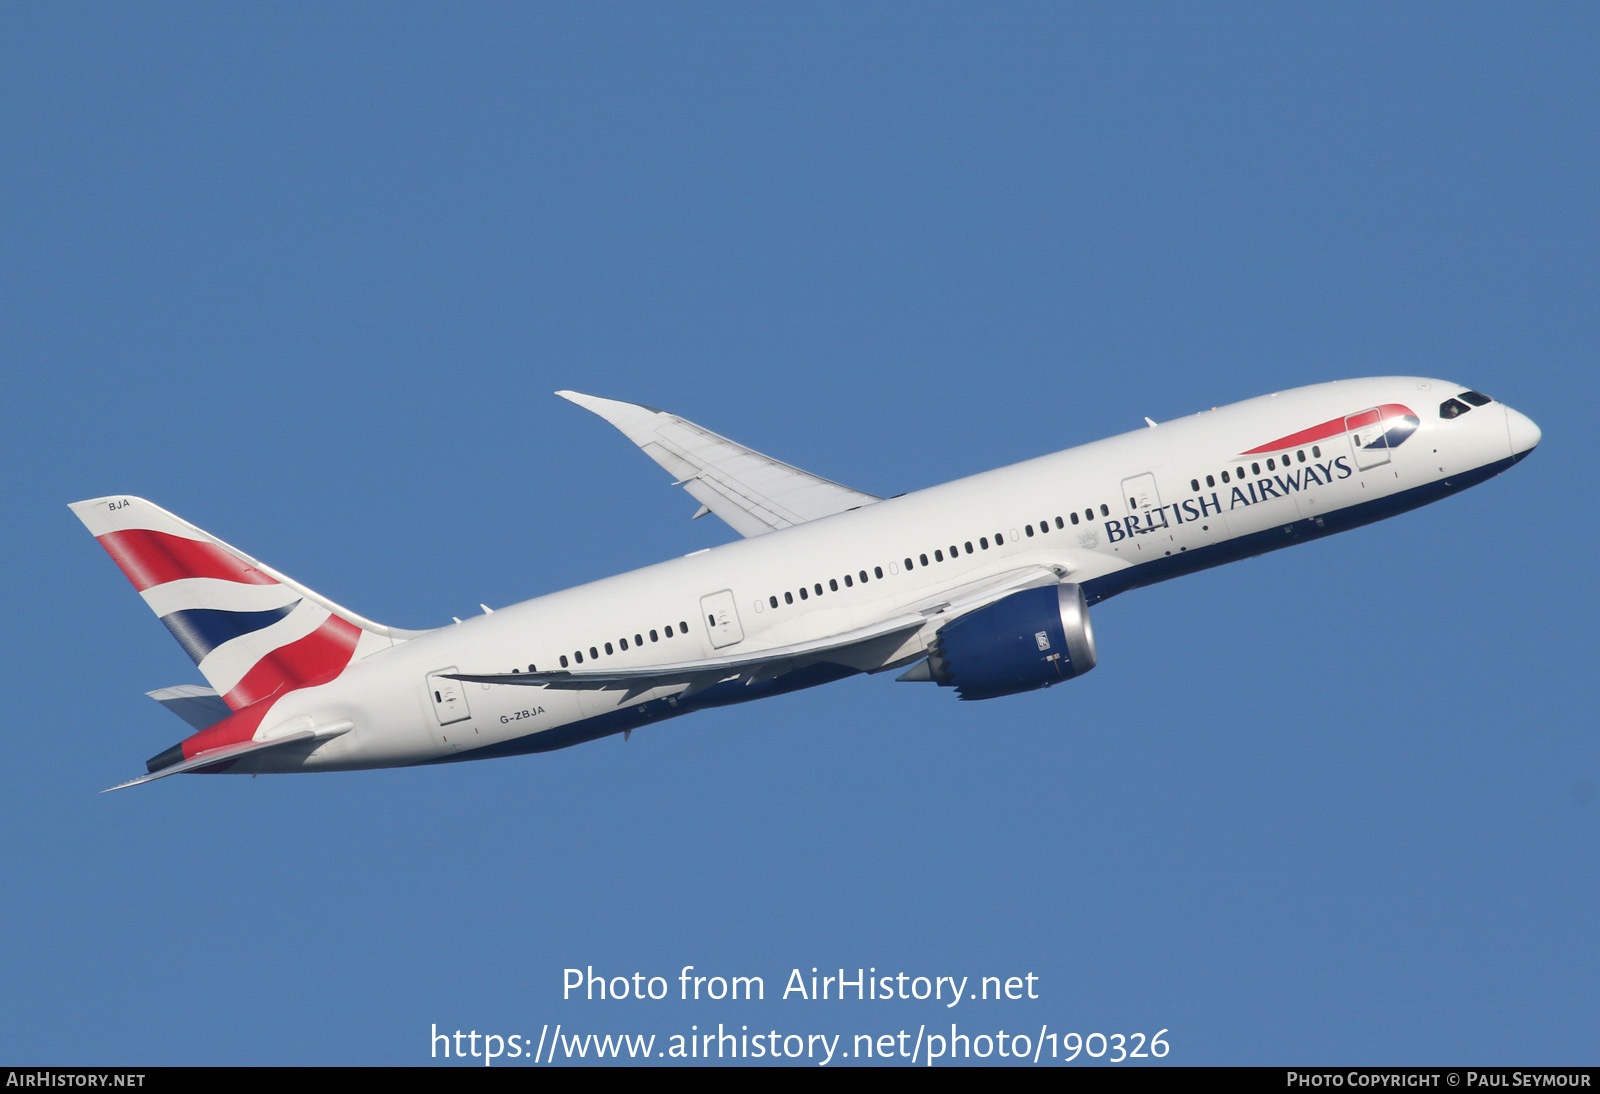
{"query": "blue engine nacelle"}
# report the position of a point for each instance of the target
(1029, 640)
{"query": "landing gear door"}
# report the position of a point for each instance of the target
(1368, 441)
(722, 618)
(449, 697)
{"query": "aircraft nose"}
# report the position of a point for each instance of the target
(1524, 434)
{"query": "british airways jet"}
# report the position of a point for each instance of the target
(983, 584)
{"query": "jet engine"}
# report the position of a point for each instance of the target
(1029, 640)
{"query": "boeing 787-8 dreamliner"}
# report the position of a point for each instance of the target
(982, 585)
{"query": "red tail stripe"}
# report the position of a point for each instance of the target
(314, 659)
(154, 558)
(237, 727)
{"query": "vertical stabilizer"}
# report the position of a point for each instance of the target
(252, 631)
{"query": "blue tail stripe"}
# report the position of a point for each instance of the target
(201, 630)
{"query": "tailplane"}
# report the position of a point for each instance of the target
(252, 631)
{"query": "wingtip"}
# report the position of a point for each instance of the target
(578, 398)
(606, 408)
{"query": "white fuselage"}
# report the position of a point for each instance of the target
(1118, 513)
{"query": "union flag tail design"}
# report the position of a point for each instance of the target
(252, 631)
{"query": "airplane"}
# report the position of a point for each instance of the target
(982, 585)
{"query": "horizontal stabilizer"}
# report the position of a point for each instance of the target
(201, 707)
(228, 753)
(753, 493)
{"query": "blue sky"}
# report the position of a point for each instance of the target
(308, 274)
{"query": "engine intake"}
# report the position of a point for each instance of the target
(1029, 640)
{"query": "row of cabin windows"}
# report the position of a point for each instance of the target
(1255, 468)
(911, 563)
(638, 640)
(833, 585)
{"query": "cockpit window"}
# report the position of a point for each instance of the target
(1476, 398)
(1452, 408)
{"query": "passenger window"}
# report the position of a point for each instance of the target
(924, 559)
(938, 556)
(1224, 476)
(1088, 514)
(1044, 526)
(1194, 484)
(594, 654)
(1270, 465)
(1255, 469)
(1029, 528)
(1059, 524)
(1074, 516)
(684, 627)
(863, 576)
(877, 572)
(1211, 480)
(817, 588)
(1301, 455)
(638, 639)
(999, 540)
(803, 595)
(788, 598)
(623, 642)
(969, 546)
(610, 649)
(563, 660)
(579, 655)
(1316, 452)
(1105, 510)
(770, 600)
(848, 582)
(983, 541)
(833, 583)
(653, 633)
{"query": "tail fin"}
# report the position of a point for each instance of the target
(252, 631)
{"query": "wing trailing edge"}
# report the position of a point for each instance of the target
(882, 645)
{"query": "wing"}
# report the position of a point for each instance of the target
(893, 641)
(751, 492)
